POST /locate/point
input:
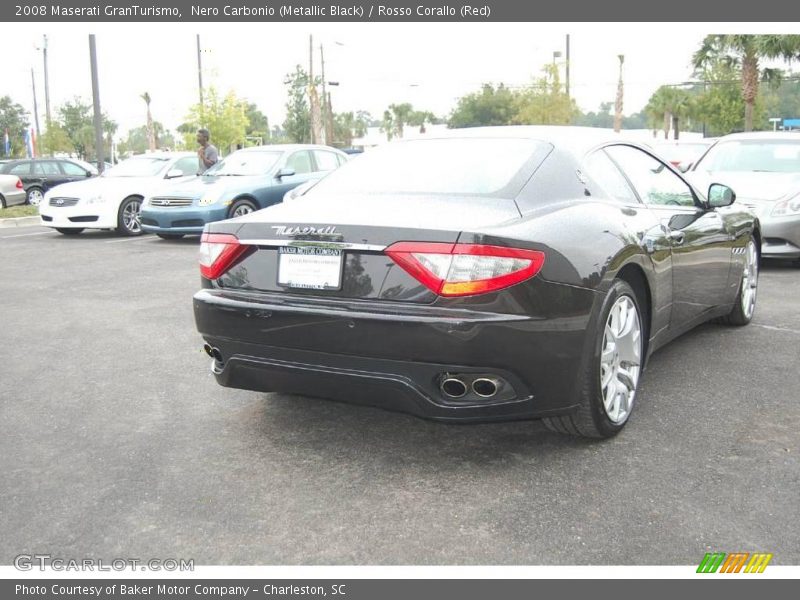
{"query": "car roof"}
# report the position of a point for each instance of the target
(578, 140)
(762, 135)
(164, 155)
(287, 148)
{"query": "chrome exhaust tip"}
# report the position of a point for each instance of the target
(453, 387)
(485, 387)
(213, 352)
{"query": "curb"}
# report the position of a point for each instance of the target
(19, 222)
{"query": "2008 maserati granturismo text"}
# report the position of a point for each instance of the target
(496, 273)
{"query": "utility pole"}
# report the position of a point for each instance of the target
(313, 97)
(35, 106)
(324, 99)
(98, 116)
(46, 85)
(200, 77)
(566, 74)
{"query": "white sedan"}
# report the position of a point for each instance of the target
(113, 200)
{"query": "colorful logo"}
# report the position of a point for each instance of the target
(734, 562)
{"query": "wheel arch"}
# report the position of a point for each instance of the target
(634, 275)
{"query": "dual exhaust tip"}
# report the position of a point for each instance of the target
(213, 352)
(456, 387)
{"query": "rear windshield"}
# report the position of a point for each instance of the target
(467, 166)
(771, 156)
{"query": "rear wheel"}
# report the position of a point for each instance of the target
(241, 208)
(35, 196)
(69, 231)
(611, 379)
(742, 311)
(128, 218)
(170, 236)
(2, 201)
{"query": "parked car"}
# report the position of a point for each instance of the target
(113, 200)
(39, 175)
(496, 273)
(682, 154)
(11, 191)
(764, 169)
(245, 181)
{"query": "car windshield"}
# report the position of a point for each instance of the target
(770, 156)
(245, 163)
(138, 167)
(470, 166)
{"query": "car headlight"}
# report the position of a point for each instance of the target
(787, 208)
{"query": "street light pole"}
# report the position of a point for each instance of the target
(98, 116)
(35, 105)
(46, 84)
(200, 76)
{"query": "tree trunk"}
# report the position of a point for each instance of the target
(667, 121)
(749, 89)
(676, 126)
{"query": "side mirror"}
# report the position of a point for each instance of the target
(173, 173)
(720, 195)
(285, 172)
(89, 173)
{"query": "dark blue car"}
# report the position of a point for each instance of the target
(245, 181)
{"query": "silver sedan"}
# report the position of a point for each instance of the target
(11, 191)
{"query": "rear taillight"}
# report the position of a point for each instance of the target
(218, 253)
(465, 269)
(19, 184)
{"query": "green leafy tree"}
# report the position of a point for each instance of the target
(400, 116)
(258, 124)
(224, 117)
(546, 102)
(14, 119)
(54, 140)
(137, 140)
(76, 118)
(297, 125)
(489, 106)
(387, 125)
(746, 53)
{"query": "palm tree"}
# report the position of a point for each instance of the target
(618, 101)
(400, 113)
(151, 138)
(659, 107)
(746, 52)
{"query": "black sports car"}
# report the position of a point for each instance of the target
(497, 273)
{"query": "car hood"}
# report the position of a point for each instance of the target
(198, 187)
(750, 185)
(101, 186)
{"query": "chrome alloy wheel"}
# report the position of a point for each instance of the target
(749, 280)
(35, 197)
(620, 359)
(242, 209)
(131, 216)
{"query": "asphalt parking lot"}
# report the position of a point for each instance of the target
(115, 441)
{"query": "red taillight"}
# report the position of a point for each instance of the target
(465, 269)
(19, 184)
(218, 253)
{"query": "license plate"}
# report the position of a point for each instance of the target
(312, 268)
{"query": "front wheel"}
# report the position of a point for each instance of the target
(610, 380)
(745, 306)
(129, 216)
(241, 208)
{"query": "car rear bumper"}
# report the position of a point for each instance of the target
(190, 219)
(13, 198)
(395, 356)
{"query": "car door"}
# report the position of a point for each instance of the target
(700, 243)
(48, 174)
(302, 163)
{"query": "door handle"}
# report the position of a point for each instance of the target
(677, 236)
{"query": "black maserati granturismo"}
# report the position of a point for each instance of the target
(488, 274)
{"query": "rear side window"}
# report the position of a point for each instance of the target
(495, 167)
(20, 169)
(326, 161)
(72, 169)
(602, 170)
(45, 168)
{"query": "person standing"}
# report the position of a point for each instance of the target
(207, 153)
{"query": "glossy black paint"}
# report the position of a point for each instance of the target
(384, 339)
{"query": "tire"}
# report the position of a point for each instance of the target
(604, 410)
(170, 236)
(69, 231)
(34, 196)
(129, 216)
(742, 312)
(2, 202)
(241, 208)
